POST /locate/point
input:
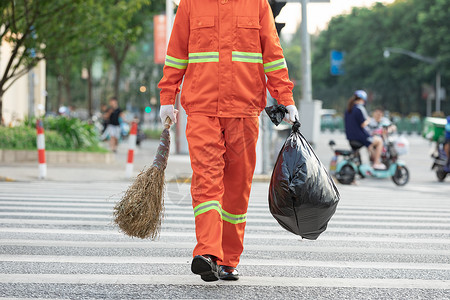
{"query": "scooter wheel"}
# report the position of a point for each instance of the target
(401, 176)
(441, 174)
(346, 175)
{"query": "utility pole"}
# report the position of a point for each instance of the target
(169, 20)
(306, 55)
(309, 109)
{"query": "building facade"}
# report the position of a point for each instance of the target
(27, 95)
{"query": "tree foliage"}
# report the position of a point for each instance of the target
(69, 35)
(394, 83)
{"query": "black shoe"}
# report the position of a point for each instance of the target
(206, 267)
(228, 273)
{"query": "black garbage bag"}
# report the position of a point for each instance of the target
(302, 195)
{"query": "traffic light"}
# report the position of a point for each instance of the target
(276, 8)
(148, 109)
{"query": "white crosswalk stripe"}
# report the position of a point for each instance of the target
(58, 240)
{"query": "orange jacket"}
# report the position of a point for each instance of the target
(225, 49)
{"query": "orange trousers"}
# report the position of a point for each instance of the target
(223, 157)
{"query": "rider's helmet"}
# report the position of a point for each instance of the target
(361, 94)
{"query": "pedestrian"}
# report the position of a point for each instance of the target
(113, 129)
(356, 122)
(225, 50)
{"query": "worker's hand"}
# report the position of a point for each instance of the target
(291, 115)
(168, 111)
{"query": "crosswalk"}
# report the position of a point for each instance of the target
(58, 240)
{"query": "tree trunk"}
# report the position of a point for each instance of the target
(68, 91)
(89, 82)
(60, 93)
(1, 109)
(118, 66)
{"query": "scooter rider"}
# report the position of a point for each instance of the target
(379, 124)
(447, 144)
(356, 121)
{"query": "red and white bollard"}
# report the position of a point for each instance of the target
(40, 141)
(131, 147)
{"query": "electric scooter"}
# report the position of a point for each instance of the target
(346, 164)
(440, 162)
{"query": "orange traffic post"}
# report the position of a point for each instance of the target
(41, 149)
(131, 147)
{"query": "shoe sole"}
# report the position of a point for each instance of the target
(229, 277)
(204, 269)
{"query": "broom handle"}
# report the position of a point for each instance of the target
(167, 123)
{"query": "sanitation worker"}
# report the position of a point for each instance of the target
(229, 53)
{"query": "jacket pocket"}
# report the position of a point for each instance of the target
(203, 34)
(247, 34)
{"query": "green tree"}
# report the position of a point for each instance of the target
(394, 82)
(129, 28)
(25, 26)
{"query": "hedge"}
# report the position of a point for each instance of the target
(61, 133)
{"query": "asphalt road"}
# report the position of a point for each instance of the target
(57, 241)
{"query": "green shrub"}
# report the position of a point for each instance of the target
(17, 138)
(61, 133)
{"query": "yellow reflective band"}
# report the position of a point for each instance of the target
(275, 65)
(233, 219)
(203, 57)
(207, 206)
(226, 216)
(176, 62)
(249, 57)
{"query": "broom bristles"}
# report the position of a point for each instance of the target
(140, 212)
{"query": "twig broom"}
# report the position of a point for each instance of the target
(141, 209)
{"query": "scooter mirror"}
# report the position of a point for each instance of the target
(331, 143)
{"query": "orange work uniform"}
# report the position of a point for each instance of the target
(229, 53)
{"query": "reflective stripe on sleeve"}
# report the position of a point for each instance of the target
(176, 62)
(275, 65)
(226, 216)
(249, 57)
(201, 57)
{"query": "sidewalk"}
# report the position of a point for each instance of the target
(178, 167)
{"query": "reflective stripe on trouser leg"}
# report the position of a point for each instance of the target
(241, 136)
(206, 150)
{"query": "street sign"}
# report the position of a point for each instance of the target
(337, 62)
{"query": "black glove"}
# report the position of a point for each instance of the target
(276, 113)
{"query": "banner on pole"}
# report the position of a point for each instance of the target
(159, 37)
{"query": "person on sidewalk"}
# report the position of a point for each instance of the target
(225, 49)
(356, 121)
(113, 127)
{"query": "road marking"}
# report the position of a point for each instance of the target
(105, 212)
(244, 261)
(252, 218)
(332, 229)
(141, 244)
(282, 235)
(192, 280)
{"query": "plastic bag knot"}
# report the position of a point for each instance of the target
(296, 126)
